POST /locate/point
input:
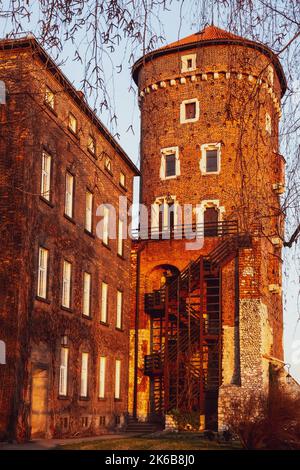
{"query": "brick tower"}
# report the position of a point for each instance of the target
(207, 320)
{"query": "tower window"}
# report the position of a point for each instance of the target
(211, 217)
(170, 165)
(188, 63)
(189, 111)
(210, 162)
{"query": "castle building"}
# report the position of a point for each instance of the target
(207, 317)
(64, 319)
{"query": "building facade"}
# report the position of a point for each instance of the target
(64, 291)
(207, 318)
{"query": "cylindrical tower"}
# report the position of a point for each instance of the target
(210, 109)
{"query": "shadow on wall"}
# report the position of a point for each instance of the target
(160, 276)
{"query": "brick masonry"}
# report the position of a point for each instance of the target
(33, 328)
(234, 93)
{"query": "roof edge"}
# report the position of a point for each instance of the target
(31, 42)
(208, 42)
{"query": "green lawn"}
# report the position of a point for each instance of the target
(163, 441)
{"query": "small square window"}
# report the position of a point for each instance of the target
(170, 165)
(107, 164)
(211, 161)
(72, 123)
(122, 179)
(49, 97)
(91, 145)
(188, 63)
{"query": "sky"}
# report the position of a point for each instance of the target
(179, 22)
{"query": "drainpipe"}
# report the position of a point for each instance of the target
(136, 335)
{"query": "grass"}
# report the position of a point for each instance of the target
(161, 441)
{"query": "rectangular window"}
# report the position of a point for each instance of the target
(69, 195)
(170, 165)
(120, 238)
(119, 309)
(49, 98)
(104, 299)
(211, 161)
(190, 110)
(107, 164)
(46, 176)
(86, 309)
(72, 123)
(91, 145)
(118, 379)
(84, 374)
(42, 273)
(105, 237)
(188, 62)
(89, 211)
(66, 285)
(122, 179)
(63, 372)
(102, 369)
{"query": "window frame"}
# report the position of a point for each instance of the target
(86, 275)
(183, 118)
(120, 240)
(104, 305)
(65, 261)
(119, 310)
(86, 385)
(163, 164)
(88, 227)
(105, 231)
(63, 391)
(47, 101)
(184, 63)
(117, 387)
(70, 117)
(71, 200)
(46, 172)
(122, 183)
(46, 274)
(102, 377)
(92, 139)
(203, 159)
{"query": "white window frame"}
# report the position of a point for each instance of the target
(104, 302)
(163, 165)
(268, 124)
(120, 243)
(63, 371)
(183, 119)
(119, 316)
(105, 234)
(155, 209)
(46, 176)
(84, 374)
(117, 379)
(49, 97)
(69, 194)
(184, 62)
(91, 144)
(86, 303)
(202, 163)
(42, 273)
(122, 180)
(88, 223)
(102, 373)
(73, 123)
(66, 284)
